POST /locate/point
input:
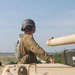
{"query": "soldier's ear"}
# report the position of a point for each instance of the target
(28, 28)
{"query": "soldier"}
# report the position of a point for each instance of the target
(29, 48)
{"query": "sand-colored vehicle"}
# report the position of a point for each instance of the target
(45, 68)
(38, 69)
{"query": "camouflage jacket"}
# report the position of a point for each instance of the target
(28, 44)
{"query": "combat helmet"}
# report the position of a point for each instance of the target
(27, 24)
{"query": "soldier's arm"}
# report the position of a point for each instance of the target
(35, 48)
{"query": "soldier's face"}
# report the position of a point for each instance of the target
(33, 30)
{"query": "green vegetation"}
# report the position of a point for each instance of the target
(57, 57)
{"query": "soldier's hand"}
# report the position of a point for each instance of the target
(52, 60)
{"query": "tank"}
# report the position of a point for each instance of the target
(45, 68)
(65, 40)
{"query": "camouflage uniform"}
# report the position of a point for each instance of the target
(30, 49)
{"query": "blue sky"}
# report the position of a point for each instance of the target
(52, 17)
